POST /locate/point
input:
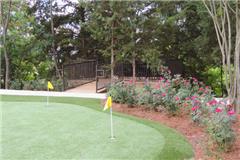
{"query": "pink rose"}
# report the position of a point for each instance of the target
(197, 101)
(185, 104)
(193, 97)
(213, 102)
(177, 98)
(157, 86)
(218, 110)
(231, 112)
(195, 108)
(194, 79)
(222, 103)
(163, 94)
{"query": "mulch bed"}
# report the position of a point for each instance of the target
(195, 134)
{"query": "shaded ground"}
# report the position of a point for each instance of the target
(194, 133)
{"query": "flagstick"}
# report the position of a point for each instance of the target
(48, 97)
(112, 137)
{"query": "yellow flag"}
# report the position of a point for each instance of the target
(108, 104)
(49, 85)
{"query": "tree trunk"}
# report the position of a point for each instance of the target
(6, 67)
(4, 24)
(112, 56)
(134, 68)
(58, 74)
(237, 57)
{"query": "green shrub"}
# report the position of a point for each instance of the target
(27, 85)
(58, 85)
(214, 79)
(219, 128)
(145, 96)
(123, 93)
(183, 93)
(41, 85)
(171, 103)
(16, 85)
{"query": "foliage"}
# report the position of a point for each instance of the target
(28, 60)
(123, 93)
(177, 94)
(219, 127)
(214, 79)
(16, 85)
(38, 84)
(145, 96)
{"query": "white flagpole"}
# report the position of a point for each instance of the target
(112, 137)
(48, 97)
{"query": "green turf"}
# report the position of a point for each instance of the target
(66, 130)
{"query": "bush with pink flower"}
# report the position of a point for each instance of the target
(176, 94)
(219, 126)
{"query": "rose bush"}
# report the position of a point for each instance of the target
(176, 94)
(124, 93)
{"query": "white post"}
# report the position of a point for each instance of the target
(112, 137)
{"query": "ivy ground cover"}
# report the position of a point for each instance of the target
(74, 128)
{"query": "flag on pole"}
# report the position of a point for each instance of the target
(108, 103)
(50, 86)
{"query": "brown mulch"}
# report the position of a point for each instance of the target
(195, 134)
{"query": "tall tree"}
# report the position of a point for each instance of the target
(5, 17)
(105, 25)
(54, 53)
(133, 22)
(27, 58)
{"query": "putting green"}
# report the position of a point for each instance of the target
(66, 131)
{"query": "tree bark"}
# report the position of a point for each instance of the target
(6, 66)
(4, 23)
(237, 57)
(112, 55)
(134, 68)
